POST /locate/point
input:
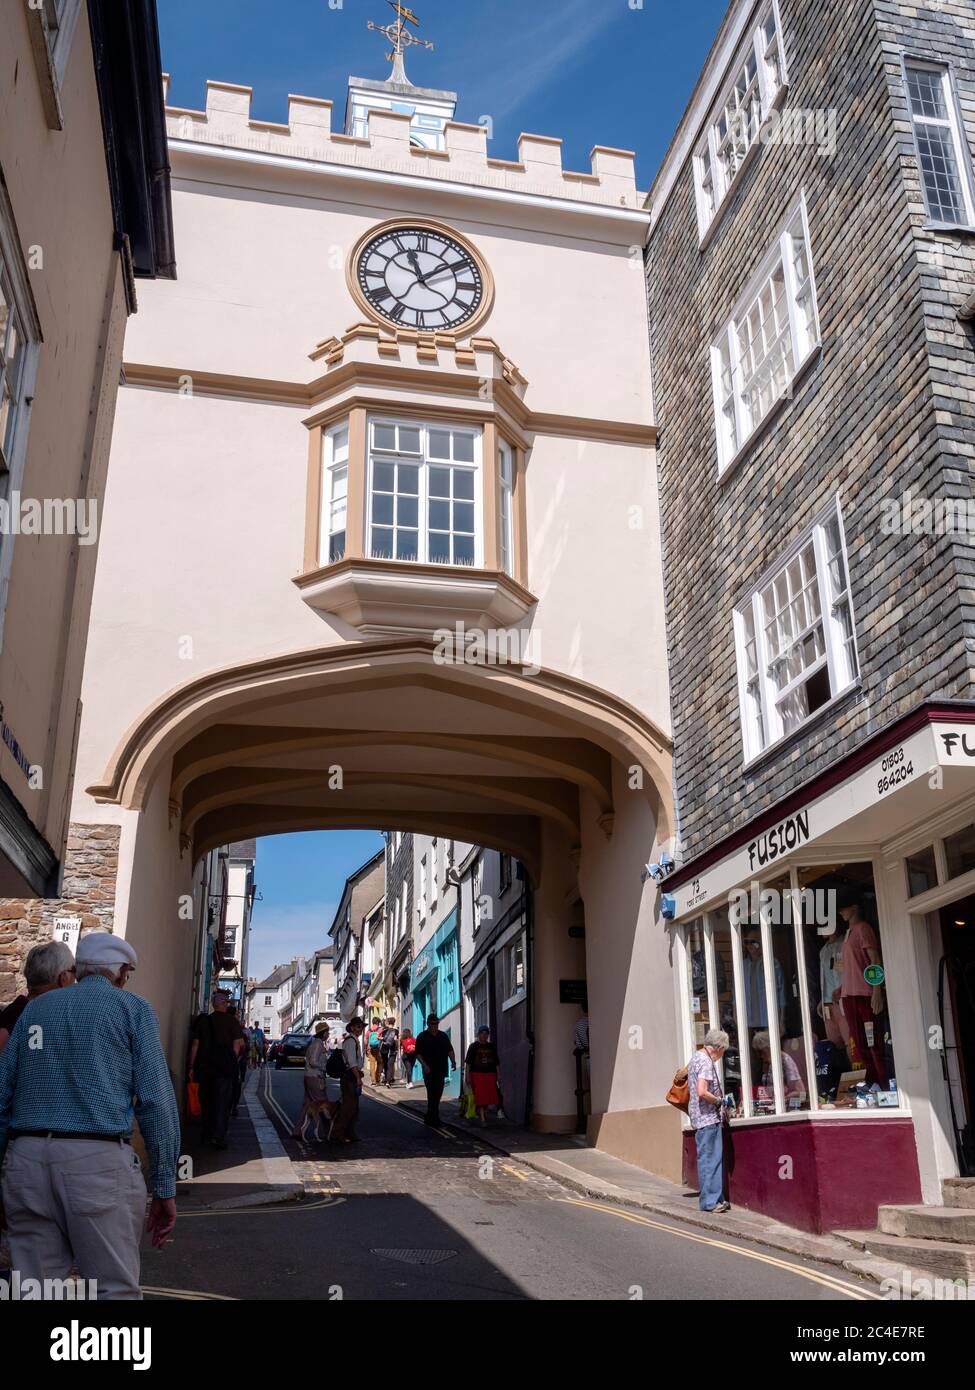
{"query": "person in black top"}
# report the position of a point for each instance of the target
(218, 1040)
(389, 1050)
(436, 1055)
(481, 1065)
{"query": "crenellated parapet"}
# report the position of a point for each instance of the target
(226, 121)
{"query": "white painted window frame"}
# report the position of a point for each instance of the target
(506, 497)
(834, 637)
(710, 143)
(518, 994)
(332, 466)
(959, 138)
(425, 463)
(18, 281)
(779, 253)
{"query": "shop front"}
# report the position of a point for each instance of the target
(435, 988)
(833, 940)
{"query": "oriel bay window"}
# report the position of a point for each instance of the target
(416, 491)
(795, 638)
(424, 493)
(415, 523)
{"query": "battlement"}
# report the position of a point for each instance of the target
(226, 121)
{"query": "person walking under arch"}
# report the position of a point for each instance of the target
(343, 1125)
(73, 1189)
(436, 1055)
(482, 1066)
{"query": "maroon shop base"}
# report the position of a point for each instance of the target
(842, 1170)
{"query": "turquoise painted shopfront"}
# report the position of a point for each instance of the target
(435, 987)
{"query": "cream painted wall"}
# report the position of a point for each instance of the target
(77, 291)
(262, 281)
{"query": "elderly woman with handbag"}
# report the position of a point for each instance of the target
(705, 1107)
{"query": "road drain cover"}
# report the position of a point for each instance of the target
(417, 1257)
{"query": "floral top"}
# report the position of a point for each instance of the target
(703, 1112)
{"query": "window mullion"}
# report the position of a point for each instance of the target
(765, 97)
(832, 635)
(772, 1007)
(717, 172)
(771, 719)
(812, 1088)
(422, 536)
(710, 983)
(741, 1016)
(962, 153)
(738, 404)
(791, 295)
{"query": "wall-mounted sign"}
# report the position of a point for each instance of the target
(572, 991)
(68, 930)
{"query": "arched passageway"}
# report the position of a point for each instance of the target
(385, 735)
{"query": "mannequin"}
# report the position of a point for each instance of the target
(862, 1004)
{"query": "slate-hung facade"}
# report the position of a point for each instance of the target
(810, 271)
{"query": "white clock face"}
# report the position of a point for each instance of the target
(420, 278)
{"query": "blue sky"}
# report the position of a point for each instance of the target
(300, 880)
(595, 72)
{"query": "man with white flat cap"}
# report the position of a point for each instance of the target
(79, 1064)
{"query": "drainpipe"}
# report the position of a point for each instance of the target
(530, 998)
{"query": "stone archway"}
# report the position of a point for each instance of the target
(564, 776)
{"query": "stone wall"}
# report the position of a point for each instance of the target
(884, 406)
(88, 892)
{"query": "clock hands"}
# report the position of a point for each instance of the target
(432, 274)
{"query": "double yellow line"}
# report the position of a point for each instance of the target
(814, 1276)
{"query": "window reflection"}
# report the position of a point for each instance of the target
(849, 1016)
(730, 1064)
(697, 980)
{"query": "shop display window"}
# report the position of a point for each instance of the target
(698, 982)
(733, 1067)
(960, 851)
(922, 871)
(793, 971)
(781, 911)
(847, 993)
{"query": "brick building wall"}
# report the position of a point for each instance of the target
(88, 893)
(884, 406)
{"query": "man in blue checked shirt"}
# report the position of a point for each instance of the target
(80, 1063)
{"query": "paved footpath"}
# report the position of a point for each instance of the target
(412, 1212)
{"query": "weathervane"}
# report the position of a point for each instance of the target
(400, 37)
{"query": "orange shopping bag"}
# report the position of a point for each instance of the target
(193, 1099)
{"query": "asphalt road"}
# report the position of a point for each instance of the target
(416, 1213)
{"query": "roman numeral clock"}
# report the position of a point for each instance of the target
(413, 274)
